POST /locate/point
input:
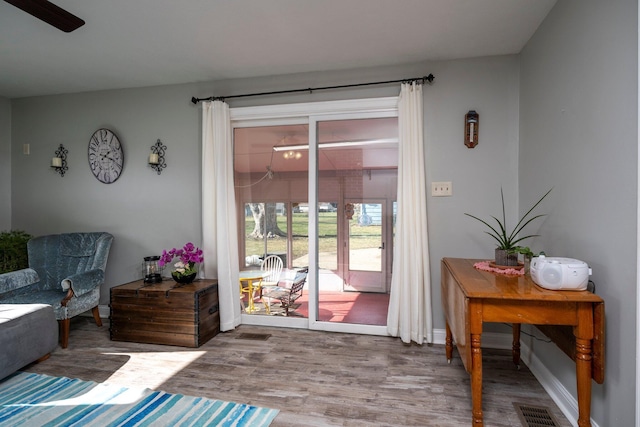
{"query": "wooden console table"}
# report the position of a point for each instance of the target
(471, 297)
(165, 312)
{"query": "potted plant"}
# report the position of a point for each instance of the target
(506, 252)
(13, 251)
(527, 255)
(187, 268)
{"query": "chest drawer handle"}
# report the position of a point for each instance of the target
(213, 309)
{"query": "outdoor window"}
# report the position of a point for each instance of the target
(272, 187)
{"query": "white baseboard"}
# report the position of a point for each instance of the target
(557, 391)
(489, 339)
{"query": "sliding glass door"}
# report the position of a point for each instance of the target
(357, 161)
(314, 186)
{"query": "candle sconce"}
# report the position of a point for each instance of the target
(59, 162)
(156, 157)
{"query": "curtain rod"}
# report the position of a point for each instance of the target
(428, 78)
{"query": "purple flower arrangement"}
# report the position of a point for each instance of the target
(189, 256)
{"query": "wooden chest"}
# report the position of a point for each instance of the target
(165, 313)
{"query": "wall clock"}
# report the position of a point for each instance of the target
(106, 157)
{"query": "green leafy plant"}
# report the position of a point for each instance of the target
(13, 250)
(526, 251)
(509, 240)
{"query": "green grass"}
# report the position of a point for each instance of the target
(361, 237)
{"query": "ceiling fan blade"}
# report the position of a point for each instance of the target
(49, 13)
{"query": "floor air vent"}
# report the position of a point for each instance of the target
(535, 416)
(254, 337)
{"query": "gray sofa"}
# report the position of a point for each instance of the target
(28, 333)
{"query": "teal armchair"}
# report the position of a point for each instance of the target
(65, 271)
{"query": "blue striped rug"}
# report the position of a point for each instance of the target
(28, 399)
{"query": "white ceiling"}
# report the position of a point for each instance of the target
(135, 43)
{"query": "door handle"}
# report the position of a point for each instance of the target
(381, 247)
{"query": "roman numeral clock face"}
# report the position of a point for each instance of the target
(106, 157)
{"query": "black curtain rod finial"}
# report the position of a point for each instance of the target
(421, 80)
(211, 98)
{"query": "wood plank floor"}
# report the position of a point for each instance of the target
(313, 378)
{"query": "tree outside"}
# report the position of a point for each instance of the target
(265, 221)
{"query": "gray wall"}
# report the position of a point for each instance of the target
(578, 134)
(145, 212)
(148, 213)
(5, 164)
(489, 86)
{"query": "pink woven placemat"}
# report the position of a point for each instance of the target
(484, 265)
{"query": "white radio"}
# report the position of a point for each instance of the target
(560, 273)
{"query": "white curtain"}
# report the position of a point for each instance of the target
(219, 228)
(410, 316)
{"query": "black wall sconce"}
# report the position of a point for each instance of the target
(59, 162)
(471, 122)
(156, 158)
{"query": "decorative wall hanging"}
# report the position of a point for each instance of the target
(59, 162)
(156, 157)
(349, 210)
(106, 157)
(471, 122)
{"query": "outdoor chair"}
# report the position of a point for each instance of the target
(272, 264)
(286, 292)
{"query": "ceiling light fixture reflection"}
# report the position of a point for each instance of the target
(291, 154)
(339, 144)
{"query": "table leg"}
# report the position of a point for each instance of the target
(242, 297)
(515, 346)
(476, 380)
(250, 290)
(448, 343)
(474, 315)
(584, 334)
(258, 288)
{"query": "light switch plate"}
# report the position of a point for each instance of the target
(441, 189)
